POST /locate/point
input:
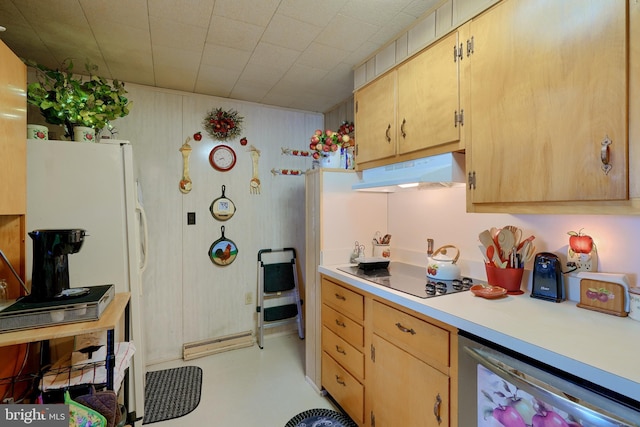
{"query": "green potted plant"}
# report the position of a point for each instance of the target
(69, 100)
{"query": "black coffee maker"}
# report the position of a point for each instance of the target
(50, 273)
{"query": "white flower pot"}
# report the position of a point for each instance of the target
(37, 132)
(84, 134)
(331, 160)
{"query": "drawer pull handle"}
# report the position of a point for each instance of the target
(340, 350)
(387, 134)
(340, 297)
(340, 323)
(436, 409)
(404, 134)
(403, 329)
(341, 382)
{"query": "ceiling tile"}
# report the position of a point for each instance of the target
(375, 12)
(312, 11)
(250, 11)
(225, 58)
(277, 57)
(290, 32)
(322, 56)
(196, 13)
(176, 77)
(418, 8)
(260, 76)
(113, 12)
(346, 32)
(248, 92)
(170, 33)
(235, 34)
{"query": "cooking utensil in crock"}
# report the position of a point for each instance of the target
(442, 266)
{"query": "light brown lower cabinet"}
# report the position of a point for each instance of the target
(385, 365)
(404, 390)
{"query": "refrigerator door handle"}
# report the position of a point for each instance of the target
(145, 237)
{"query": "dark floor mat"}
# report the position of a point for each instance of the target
(171, 393)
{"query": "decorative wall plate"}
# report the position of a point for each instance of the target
(223, 251)
(222, 208)
(222, 158)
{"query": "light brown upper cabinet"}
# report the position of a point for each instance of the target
(375, 119)
(413, 110)
(548, 102)
(429, 112)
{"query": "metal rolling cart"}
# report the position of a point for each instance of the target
(277, 281)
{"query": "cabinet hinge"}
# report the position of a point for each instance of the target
(470, 46)
(458, 118)
(373, 353)
(373, 420)
(472, 180)
(457, 53)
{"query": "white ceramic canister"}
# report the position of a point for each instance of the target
(634, 303)
(37, 132)
(381, 251)
(84, 134)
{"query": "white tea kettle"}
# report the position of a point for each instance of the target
(442, 266)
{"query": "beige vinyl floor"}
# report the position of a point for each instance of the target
(250, 386)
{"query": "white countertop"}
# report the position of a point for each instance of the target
(598, 347)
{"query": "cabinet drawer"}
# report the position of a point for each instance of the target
(343, 387)
(425, 341)
(343, 300)
(345, 328)
(342, 352)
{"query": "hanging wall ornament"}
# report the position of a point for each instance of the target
(222, 208)
(185, 182)
(293, 152)
(223, 251)
(292, 172)
(223, 125)
(254, 184)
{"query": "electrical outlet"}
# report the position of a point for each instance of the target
(583, 262)
(248, 298)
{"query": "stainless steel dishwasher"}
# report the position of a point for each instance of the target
(499, 387)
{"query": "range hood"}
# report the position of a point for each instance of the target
(441, 170)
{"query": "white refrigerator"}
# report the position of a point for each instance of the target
(92, 186)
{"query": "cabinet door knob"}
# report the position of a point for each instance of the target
(404, 134)
(340, 297)
(340, 350)
(403, 329)
(340, 323)
(341, 381)
(388, 133)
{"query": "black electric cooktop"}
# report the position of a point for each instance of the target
(410, 279)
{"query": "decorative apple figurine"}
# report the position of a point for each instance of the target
(197, 136)
(580, 243)
(582, 251)
(243, 141)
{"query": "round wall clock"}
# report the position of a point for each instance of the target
(222, 158)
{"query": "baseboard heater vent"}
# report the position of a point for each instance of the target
(216, 345)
